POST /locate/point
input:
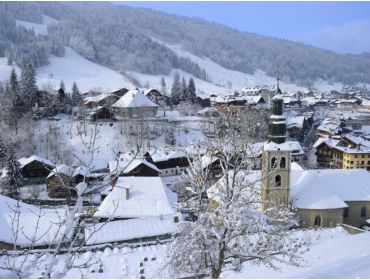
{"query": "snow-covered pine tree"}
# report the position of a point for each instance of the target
(14, 177)
(3, 151)
(75, 95)
(176, 89)
(14, 88)
(62, 86)
(191, 90)
(28, 85)
(163, 86)
(184, 90)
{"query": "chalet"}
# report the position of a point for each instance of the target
(120, 92)
(62, 180)
(105, 99)
(296, 127)
(255, 100)
(137, 208)
(157, 97)
(132, 167)
(35, 169)
(134, 104)
(203, 100)
(101, 114)
(168, 162)
(347, 104)
(35, 231)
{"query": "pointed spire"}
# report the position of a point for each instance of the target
(278, 91)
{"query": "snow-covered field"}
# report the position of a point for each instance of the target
(41, 29)
(334, 254)
(75, 68)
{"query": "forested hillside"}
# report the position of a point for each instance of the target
(126, 39)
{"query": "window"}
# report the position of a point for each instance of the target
(317, 221)
(355, 156)
(363, 156)
(273, 162)
(278, 181)
(351, 161)
(345, 212)
(282, 162)
(363, 211)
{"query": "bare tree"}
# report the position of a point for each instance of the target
(230, 226)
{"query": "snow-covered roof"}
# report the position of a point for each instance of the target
(286, 146)
(164, 155)
(98, 98)
(295, 121)
(25, 161)
(122, 230)
(50, 228)
(81, 170)
(62, 169)
(126, 166)
(134, 98)
(329, 188)
(147, 198)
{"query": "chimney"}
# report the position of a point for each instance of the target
(127, 193)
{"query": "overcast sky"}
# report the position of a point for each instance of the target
(339, 26)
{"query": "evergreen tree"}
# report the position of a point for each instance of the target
(184, 90)
(163, 86)
(14, 177)
(176, 89)
(191, 90)
(28, 85)
(75, 96)
(14, 88)
(3, 151)
(62, 86)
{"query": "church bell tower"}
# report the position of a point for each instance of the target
(276, 158)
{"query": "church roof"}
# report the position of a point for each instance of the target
(328, 188)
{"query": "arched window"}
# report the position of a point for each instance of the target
(363, 212)
(273, 162)
(282, 162)
(278, 181)
(317, 221)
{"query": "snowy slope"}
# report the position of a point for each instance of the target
(88, 75)
(41, 29)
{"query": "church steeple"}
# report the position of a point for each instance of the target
(277, 90)
(277, 121)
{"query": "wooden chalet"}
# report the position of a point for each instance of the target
(63, 178)
(120, 92)
(157, 97)
(35, 169)
(101, 114)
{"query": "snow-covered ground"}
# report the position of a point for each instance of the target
(41, 29)
(334, 254)
(75, 68)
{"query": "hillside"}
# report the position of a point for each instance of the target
(154, 44)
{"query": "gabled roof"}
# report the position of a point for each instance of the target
(62, 169)
(147, 198)
(132, 99)
(98, 98)
(126, 166)
(26, 161)
(164, 155)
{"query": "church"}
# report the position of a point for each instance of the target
(322, 197)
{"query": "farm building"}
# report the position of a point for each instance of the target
(134, 104)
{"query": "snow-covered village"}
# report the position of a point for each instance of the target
(142, 140)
